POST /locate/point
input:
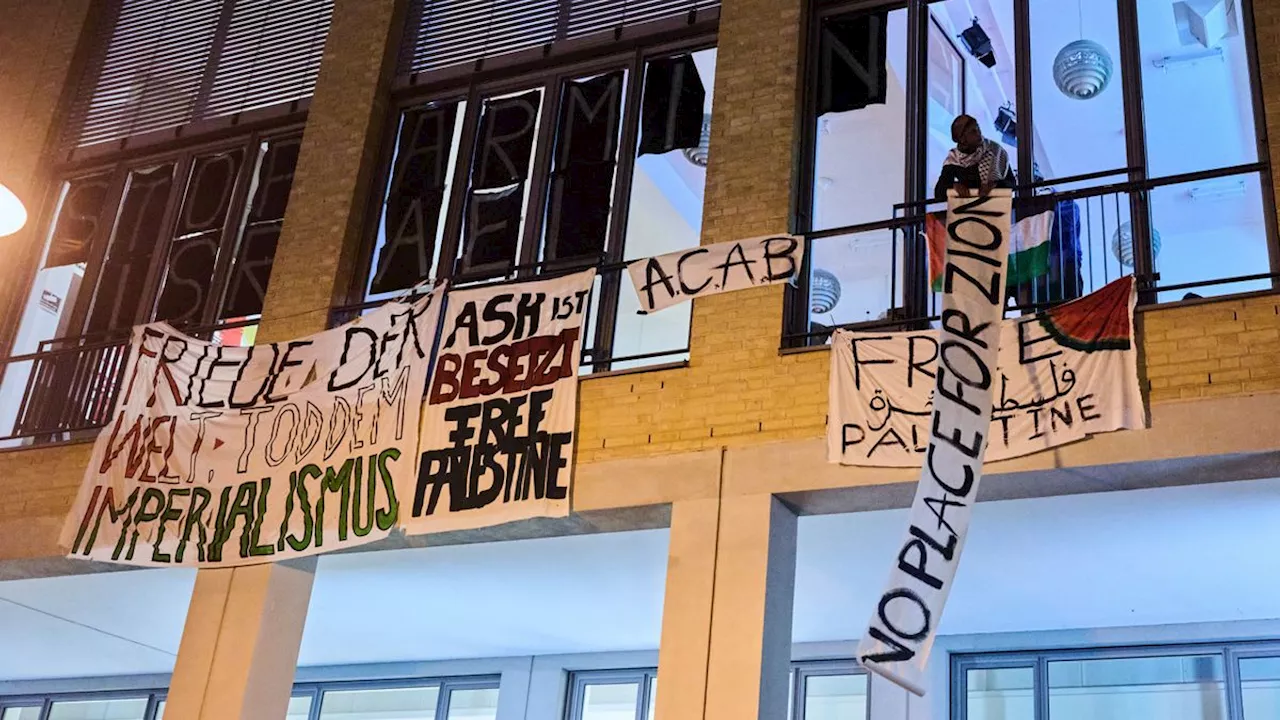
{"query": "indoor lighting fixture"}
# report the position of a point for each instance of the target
(1007, 125)
(1189, 58)
(13, 215)
(978, 43)
(824, 292)
(1082, 68)
(1217, 191)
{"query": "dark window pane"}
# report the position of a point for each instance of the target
(854, 63)
(860, 141)
(493, 227)
(188, 278)
(274, 180)
(505, 141)
(581, 190)
(78, 221)
(209, 193)
(415, 197)
(247, 288)
(671, 116)
(123, 279)
(142, 211)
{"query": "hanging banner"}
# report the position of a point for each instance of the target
(666, 280)
(219, 456)
(498, 420)
(905, 619)
(1062, 375)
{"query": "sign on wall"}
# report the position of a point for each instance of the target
(222, 456)
(666, 280)
(906, 615)
(498, 420)
(1062, 375)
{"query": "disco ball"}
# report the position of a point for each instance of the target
(824, 292)
(1122, 244)
(1082, 69)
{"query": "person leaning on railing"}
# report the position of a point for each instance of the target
(975, 163)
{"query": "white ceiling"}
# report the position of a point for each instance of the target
(1179, 555)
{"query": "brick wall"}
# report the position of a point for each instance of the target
(1229, 347)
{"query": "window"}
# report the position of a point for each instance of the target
(188, 237)
(592, 165)
(167, 63)
(447, 699)
(1260, 687)
(831, 691)
(612, 695)
(455, 699)
(1091, 103)
(1199, 682)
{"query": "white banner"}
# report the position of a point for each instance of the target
(1062, 375)
(220, 456)
(906, 616)
(498, 420)
(666, 280)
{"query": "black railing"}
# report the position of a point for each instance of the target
(1093, 242)
(71, 384)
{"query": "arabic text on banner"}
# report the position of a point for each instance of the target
(222, 456)
(498, 419)
(677, 277)
(1062, 375)
(905, 619)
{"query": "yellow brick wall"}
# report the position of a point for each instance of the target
(1229, 347)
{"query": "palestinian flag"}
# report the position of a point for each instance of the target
(1028, 250)
(1097, 321)
(935, 234)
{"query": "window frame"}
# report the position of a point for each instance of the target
(118, 169)
(1230, 652)
(802, 671)
(314, 690)
(578, 681)
(548, 75)
(796, 330)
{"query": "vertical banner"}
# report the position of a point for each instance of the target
(905, 620)
(498, 420)
(219, 456)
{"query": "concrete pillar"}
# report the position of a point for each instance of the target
(240, 644)
(686, 610)
(750, 657)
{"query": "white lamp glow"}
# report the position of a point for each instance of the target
(12, 213)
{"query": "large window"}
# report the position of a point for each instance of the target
(446, 699)
(587, 165)
(1212, 682)
(1134, 123)
(188, 237)
(612, 695)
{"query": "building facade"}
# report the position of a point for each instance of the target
(258, 171)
